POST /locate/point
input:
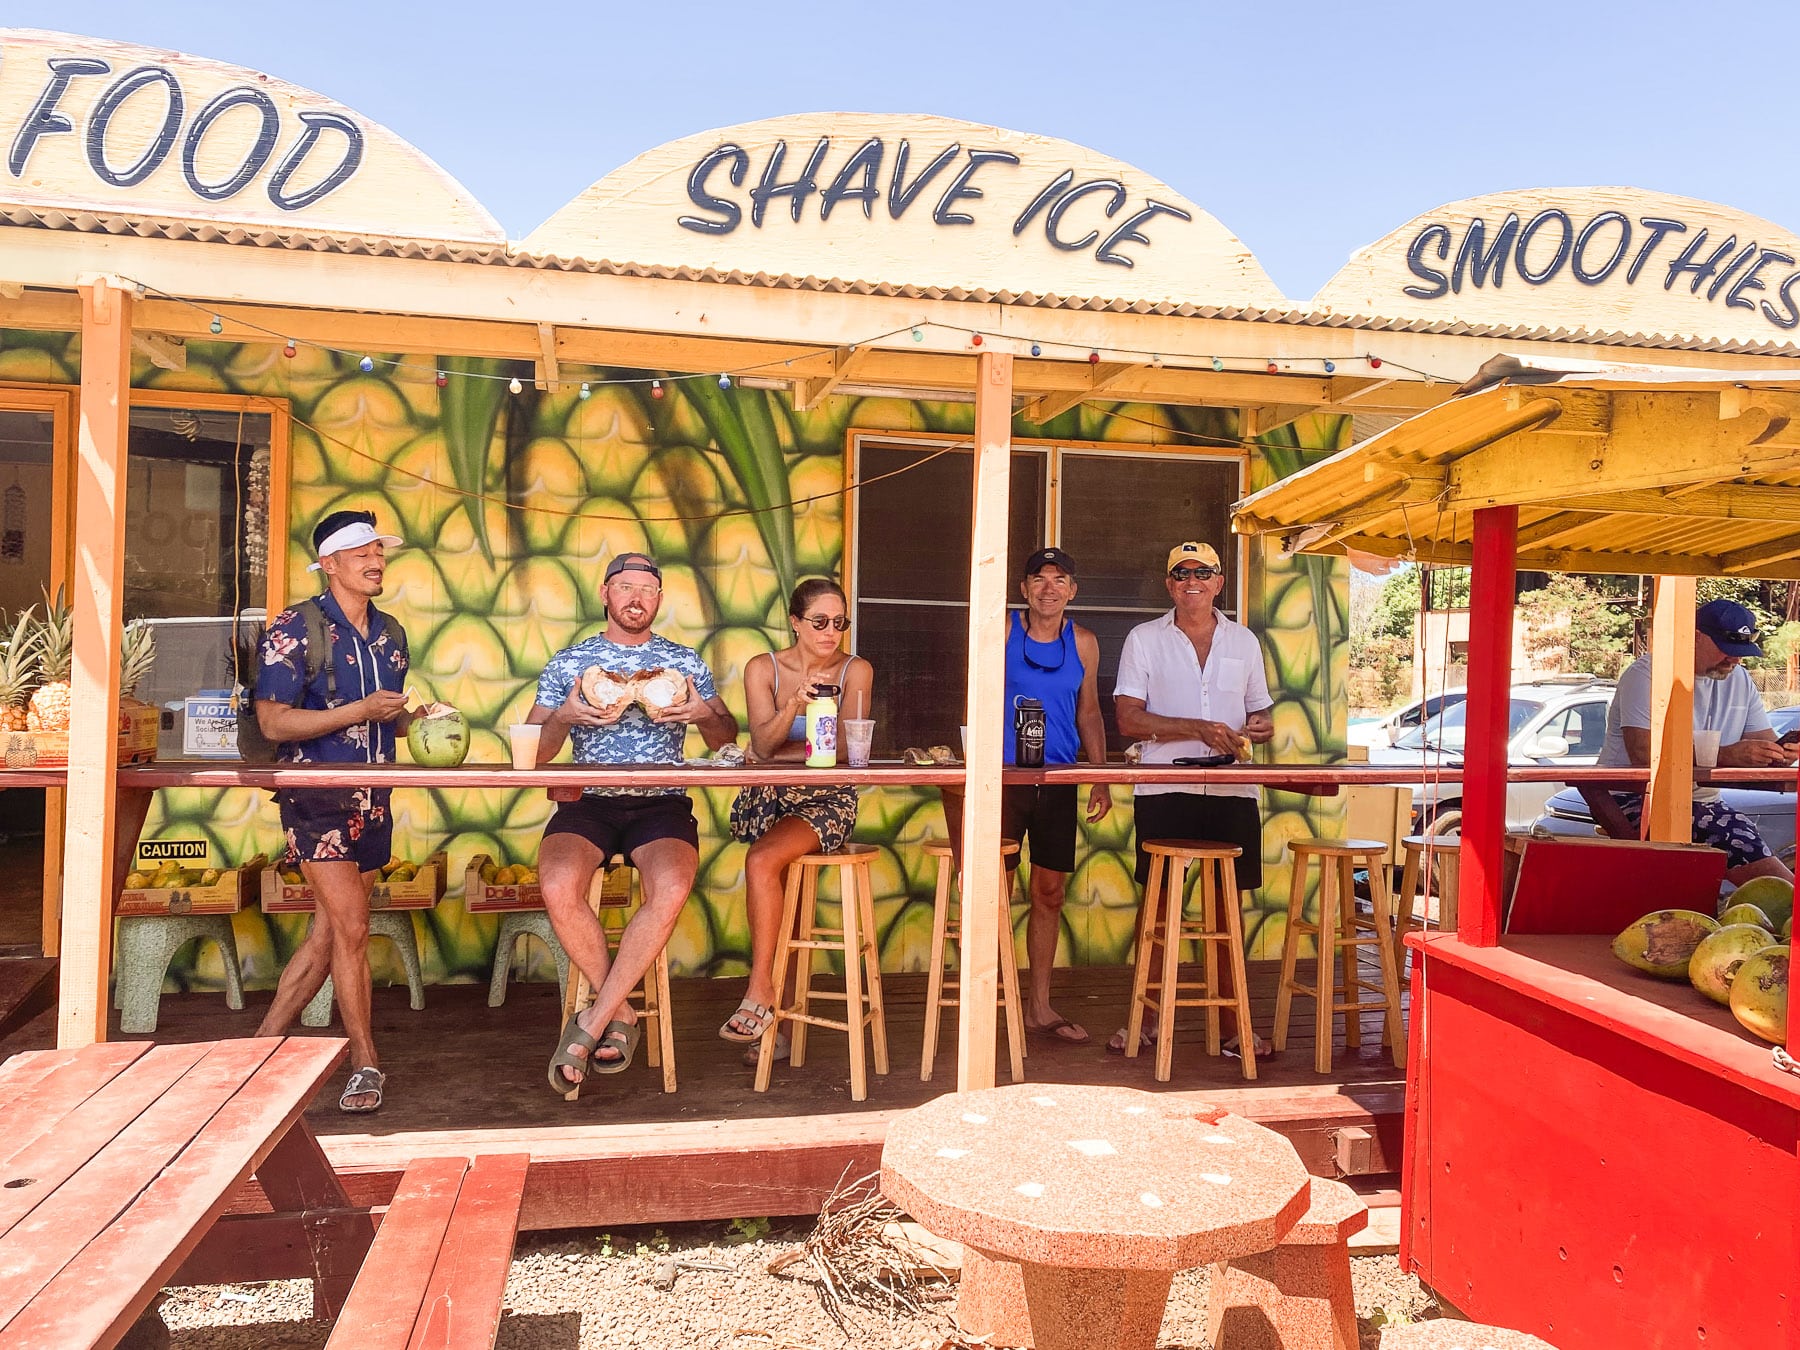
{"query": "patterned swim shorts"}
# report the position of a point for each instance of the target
(1721, 826)
(831, 811)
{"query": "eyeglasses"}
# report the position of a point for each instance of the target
(821, 622)
(1190, 573)
(635, 588)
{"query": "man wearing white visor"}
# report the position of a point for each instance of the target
(330, 689)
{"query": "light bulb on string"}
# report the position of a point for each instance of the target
(918, 335)
(217, 324)
(1330, 367)
(974, 339)
(442, 379)
(656, 390)
(515, 385)
(289, 350)
(1218, 364)
(1036, 350)
(584, 392)
(1093, 358)
(1374, 363)
(1274, 369)
(366, 364)
(724, 381)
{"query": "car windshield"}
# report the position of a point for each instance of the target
(1449, 728)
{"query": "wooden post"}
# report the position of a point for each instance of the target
(94, 687)
(983, 876)
(1669, 812)
(1491, 595)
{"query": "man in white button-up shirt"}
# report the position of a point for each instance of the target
(1191, 684)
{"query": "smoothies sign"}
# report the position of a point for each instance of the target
(909, 200)
(115, 128)
(1600, 260)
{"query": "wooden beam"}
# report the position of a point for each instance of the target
(1669, 811)
(1101, 378)
(1558, 525)
(1753, 556)
(549, 373)
(984, 882)
(163, 351)
(1701, 501)
(88, 884)
(11, 290)
(845, 363)
(1262, 419)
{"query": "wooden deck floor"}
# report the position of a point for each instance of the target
(464, 1078)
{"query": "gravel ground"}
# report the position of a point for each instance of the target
(589, 1290)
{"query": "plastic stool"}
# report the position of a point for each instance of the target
(943, 928)
(1446, 861)
(801, 937)
(516, 924)
(652, 995)
(396, 926)
(1299, 1294)
(1339, 931)
(1161, 925)
(147, 943)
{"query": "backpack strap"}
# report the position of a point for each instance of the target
(318, 648)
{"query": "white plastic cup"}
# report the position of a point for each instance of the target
(1706, 749)
(859, 736)
(524, 737)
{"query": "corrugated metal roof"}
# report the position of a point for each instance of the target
(511, 256)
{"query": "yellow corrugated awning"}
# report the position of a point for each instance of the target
(1614, 468)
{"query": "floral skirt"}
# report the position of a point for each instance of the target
(831, 811)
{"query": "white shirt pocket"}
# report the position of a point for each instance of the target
(1233, 675)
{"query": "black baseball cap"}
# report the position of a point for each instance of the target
(1049, 557)
(631, 562)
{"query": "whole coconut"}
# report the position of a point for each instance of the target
(1759, 994)
(1663, 943)
(1774, 896)
(438, 737)
(1716, 960)
(1747, 913)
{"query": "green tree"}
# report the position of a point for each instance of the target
(1570, 627)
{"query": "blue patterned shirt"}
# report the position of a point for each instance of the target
(634, 738)
(362, 667)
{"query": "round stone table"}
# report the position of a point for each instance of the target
(1076, 1205)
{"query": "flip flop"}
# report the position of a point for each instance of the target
(749, 1011)
(1235, 1048)
(621, 1036)
(573, 1033)
(1053, 1031)
(781, 1051)
(1115, 1044)
(364, 1081)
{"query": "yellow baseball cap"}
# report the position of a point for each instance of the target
(1191, 554)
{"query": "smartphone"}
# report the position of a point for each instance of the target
(1204, 761)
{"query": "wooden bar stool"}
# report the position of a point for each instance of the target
(1446, 863)
(610, 895)
(801, 937)
(943, 927)
(1337, 859)
(1161, 924)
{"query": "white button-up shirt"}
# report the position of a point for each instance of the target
(1159, 666)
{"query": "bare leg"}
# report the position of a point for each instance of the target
(1762, 867)
(665, 870)
(337, 945)
(1042, 929)
(566, 867)
(765, 872)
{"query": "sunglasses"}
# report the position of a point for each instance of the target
(821, 622)
(1189, 573)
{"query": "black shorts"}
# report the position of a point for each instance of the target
(338, 825)
(1192, 815)
(1045, 815)
(622, 825)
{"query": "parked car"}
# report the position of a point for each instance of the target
(1387, 730)
(1556, 720)
(1773, 812)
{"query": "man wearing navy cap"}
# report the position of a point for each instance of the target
(343, 705)
(1725, 701)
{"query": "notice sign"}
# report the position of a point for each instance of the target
(172, 850)
(209, 730)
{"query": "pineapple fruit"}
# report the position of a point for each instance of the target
(18, 670)
(49, 709)
(137, 651)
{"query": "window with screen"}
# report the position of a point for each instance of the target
(1117, 513)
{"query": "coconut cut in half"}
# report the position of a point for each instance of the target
(609, 693)
(659, 689)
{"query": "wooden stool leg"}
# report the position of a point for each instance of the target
(1009, 982)
(1290, 947)
(871, 947)
(784, 953)
(806, 962)
(1173, 878)
(1390, 971)
(934, 977)
(1325, 994)
(1232, 906)
(665, 1020)
(1140, 974)
(1406, 904)
(1449, 869)
(647, 1013)
(1209, 950)
(853, 984)
(1346, 935)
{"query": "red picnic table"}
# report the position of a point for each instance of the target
(116, 1159)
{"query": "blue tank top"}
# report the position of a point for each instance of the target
(1050, 672)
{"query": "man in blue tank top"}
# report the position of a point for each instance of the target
(1055, 660)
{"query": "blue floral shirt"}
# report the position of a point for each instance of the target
(634, 738)
(362, 668)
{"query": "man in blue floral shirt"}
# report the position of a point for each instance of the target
(345, 707)
(653, 825)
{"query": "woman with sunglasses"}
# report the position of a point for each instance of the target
(781, 824)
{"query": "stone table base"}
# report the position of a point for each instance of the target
(1031, 1307)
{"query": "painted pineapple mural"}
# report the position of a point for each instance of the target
(487, 590)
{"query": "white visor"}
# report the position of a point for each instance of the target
(353, 535)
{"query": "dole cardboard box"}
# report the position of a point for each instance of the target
(171, 877)
(488, 889)
(420, 888)
(138, 727)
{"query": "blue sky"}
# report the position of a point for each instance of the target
(1308, 129)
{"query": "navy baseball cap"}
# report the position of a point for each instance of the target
(1731, 627)
(1049, 557)
(631, 562)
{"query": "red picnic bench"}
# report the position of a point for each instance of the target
(116, 1160)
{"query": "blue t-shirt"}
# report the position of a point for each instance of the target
(1051, 673)
(634, 738)
(362, 667)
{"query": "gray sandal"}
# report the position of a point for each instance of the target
(761, 1014)
(363, 1082)
(621, 1036)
